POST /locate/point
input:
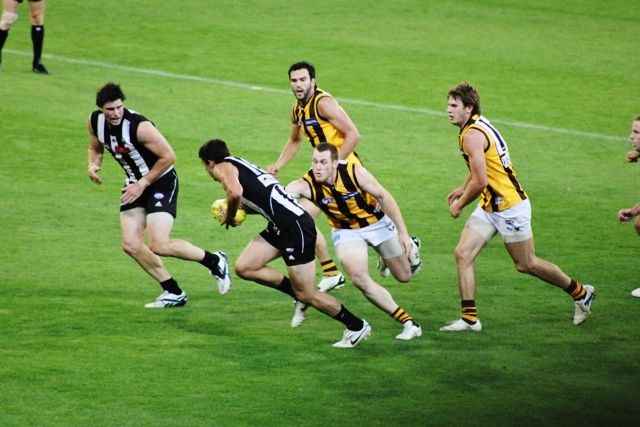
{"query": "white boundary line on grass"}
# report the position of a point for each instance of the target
(402, 108)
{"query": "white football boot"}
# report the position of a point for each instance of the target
(221, 273)
(410, 331)
(168, 300)
(414, 256)
(329, 283)
(583, 306)
(461, 325)
(299, 313)
(351, 338)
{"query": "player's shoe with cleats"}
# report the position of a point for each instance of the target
(351, 339)
(329, 283)
(221, 273)
(299, 313)
(414, 255)
(382, 267)
(39, 69)
(410, 331)
(461, 325)
(583, 306)
(168, 300)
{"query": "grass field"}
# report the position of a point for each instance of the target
(559, 79)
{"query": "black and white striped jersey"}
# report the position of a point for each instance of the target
(122, 142)
(262, 193)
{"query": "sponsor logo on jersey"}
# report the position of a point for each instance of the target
(349, 195)
(326, 200)
(122, 150)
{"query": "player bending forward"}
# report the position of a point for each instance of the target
(290, 234)
(351, 198)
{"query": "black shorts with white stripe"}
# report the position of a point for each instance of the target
(161, 196)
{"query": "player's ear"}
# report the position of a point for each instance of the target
(208, 165)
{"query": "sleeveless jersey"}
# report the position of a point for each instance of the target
(315, 127)
(122, 142)
(262, 193)
(503, 189)
(345, 203)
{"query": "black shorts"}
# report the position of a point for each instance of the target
(296, 243)
(161, 196)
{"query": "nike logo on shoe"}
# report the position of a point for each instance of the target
(356, 339)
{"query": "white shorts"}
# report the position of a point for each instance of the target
(513, 224)
(373, 234)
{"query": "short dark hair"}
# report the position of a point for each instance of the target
(637, 119)
(109, 93)
(468, 95)
(303, 65)
(325, 146)
(215, 149)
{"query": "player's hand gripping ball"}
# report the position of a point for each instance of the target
(219, 212)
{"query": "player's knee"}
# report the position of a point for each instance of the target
(131, 248)
(243, 270)
(160, 248)
(37, 19)
(403, 276)
(307, 297)
(637, 226)
(36, 12)
(7, 20)
(462, 254)
(240, 271)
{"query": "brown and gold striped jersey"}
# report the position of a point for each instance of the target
(345, 203)
(503, 189)
(317, 128)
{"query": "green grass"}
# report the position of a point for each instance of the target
(558, 79)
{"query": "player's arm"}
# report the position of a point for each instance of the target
(227, 175)
(458, 191)
(628, 214)
(155, 142)
(473, 144)
(289, 150)
(94, 156)
(330, 110)
(299, 188)
(387, 202)
(633, 156)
